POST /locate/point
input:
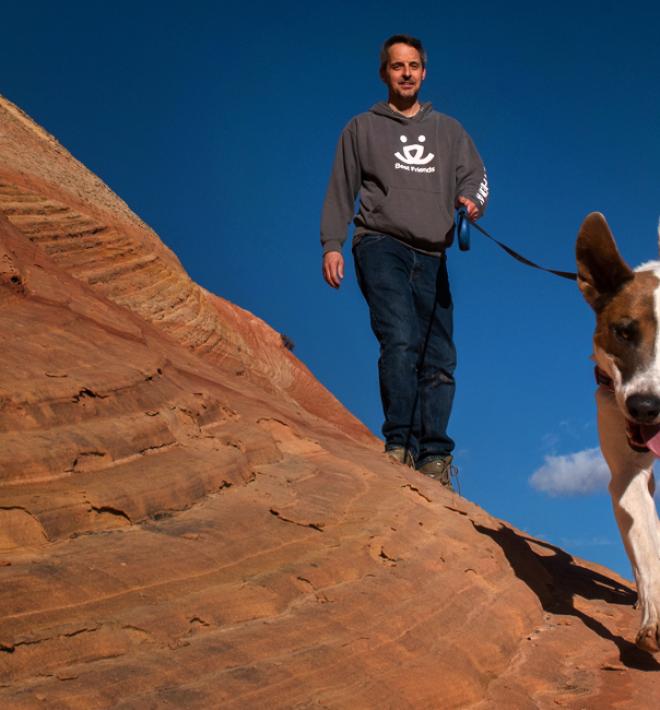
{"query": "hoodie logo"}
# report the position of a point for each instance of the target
(413, 156)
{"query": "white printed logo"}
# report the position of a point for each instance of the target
(482, 192)
(412, 154)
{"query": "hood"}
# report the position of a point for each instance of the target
(382, 108)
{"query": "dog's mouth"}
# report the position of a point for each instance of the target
(643, 437)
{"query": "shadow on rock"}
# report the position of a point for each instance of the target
(556, 579)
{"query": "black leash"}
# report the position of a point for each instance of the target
(463, 232)
(420, 362)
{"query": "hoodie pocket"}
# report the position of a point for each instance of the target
(418, 216)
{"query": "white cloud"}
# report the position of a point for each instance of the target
(574, 474)
(596, 541)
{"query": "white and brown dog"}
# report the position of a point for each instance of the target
(627, 354)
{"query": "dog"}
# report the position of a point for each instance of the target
(627, 356)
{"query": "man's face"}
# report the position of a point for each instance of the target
(403, 72)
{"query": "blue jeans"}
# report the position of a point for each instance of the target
(411, 313)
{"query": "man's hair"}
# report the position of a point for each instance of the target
(401, 39)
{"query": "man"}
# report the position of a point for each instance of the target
(412, 166)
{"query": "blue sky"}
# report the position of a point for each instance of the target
(218, 127)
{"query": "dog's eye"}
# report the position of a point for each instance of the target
(626, 331)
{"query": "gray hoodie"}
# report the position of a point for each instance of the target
(409, 172)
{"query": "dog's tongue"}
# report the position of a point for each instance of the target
(651, 437)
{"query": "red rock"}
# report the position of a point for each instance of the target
(189, 519)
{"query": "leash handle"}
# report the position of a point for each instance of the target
(462, 226)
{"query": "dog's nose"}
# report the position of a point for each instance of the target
(643, 407)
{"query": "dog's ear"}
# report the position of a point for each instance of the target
(601, 269)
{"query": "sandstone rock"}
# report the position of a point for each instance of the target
(189, 519)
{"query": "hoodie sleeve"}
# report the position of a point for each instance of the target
(471, 178)
(339, 205)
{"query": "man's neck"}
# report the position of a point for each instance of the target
(406, 108)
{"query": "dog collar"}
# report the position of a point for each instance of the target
(633, 432)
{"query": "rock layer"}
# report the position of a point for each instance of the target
(189, 519)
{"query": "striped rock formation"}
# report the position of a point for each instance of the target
(189, 519)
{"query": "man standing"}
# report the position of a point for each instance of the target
(412, 166)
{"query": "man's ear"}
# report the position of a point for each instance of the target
(601, 269)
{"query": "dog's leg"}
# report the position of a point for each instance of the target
(631, 489)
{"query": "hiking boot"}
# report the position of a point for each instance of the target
(440, 470)
(401, 455)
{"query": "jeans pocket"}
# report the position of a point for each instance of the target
(368, 239)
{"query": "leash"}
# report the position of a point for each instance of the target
(462, 227)
(453, 471)
(463, 233)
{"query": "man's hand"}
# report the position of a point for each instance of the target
(333, 268)
(473, 211)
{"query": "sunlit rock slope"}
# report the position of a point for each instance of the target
(188, 519)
